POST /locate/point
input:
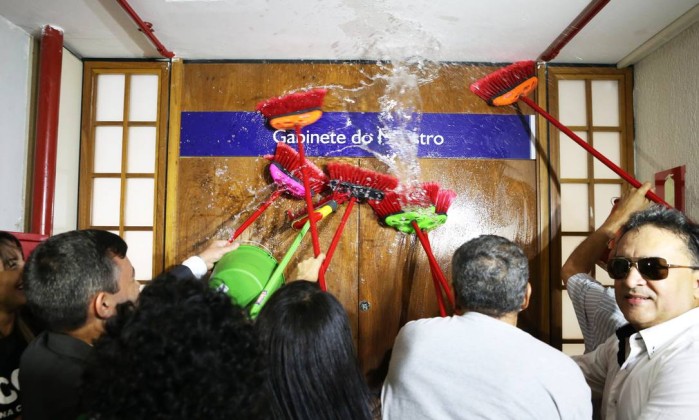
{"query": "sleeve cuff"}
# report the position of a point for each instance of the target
(196, 265)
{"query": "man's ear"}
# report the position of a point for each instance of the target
(527, 295)
(103, 306)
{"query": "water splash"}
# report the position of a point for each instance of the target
(400, 48)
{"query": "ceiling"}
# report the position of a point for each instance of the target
(439, 30)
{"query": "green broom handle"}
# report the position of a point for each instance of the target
(275, 280)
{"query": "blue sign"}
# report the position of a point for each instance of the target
(360, 134)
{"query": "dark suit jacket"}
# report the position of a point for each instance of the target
(49, 377)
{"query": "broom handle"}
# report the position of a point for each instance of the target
(333, 244)
(433, 263)
(276, 279)
(437, 269)
(307, 188)
(256, 214)
(611, 165)
(442, 278)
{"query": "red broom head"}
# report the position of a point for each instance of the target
(290, 160)
(361, 177)
(292, 103)
(507, 85)
(431, 191)
(391, 204)
(443, 201)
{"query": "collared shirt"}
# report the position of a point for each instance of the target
(473, 366)
(658, 379)
(595, 308)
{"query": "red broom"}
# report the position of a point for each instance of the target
(296, 111)
(359, 185)
(512, 83)
(425, 209)
(284, 168)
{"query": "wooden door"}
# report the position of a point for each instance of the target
(381, 271)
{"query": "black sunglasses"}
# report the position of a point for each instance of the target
(651, 268)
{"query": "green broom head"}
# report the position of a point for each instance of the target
(425, 205)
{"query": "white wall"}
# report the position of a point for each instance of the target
(65, 202)
(15, 65)
(666, 106)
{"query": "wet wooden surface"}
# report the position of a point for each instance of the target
(376, 265)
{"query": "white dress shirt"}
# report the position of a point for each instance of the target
(659, 378)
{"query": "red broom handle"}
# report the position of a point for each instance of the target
(333, 244)
(611, 165)
(425, 240)
(434, 267)
(307, 188)
(256, 214)
(441, 277)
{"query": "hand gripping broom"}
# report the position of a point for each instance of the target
(357, 184)
(284, 169)
(418, 210)
(514, 82)
(296, 111)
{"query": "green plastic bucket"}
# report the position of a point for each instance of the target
(243, 273)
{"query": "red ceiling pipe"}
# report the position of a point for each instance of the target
(575, 26)
(48, 94)
(146, 28)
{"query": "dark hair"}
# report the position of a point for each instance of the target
(183, 351)
(671, 220)
(314, 372)
(490, 275)
(66, 270)
(9, 245)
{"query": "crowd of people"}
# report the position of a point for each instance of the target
(108, 348)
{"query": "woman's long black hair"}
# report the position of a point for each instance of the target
(312, 362)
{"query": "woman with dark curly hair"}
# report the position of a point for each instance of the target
(313, 366)
(14, 332)
(183, 351)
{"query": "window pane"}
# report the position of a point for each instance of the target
(609, 144)
(143, 105)
(604, 194)
(139, 202)
(141, 154)
(605, 103)
(110, 97)
(574, 208)
(140, 253)
(568, 244)
(570, 326)
(106, 194)
(571, 102)
(108, 149)
(573, 157)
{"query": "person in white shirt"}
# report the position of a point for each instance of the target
(595, 305)
(650, 368)
(479, 365)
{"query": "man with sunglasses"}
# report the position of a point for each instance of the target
(595, 306)
(650, 368)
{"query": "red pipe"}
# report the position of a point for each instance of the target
(573, 28)
(146, 28)
(48, 99)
